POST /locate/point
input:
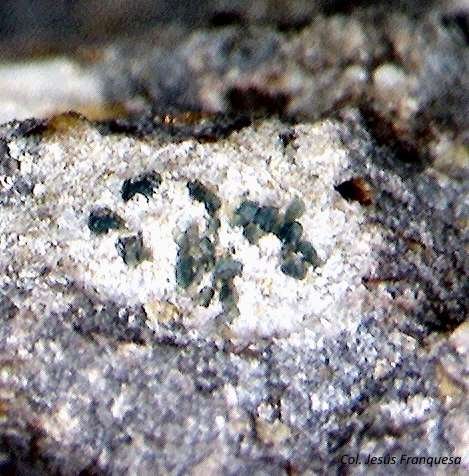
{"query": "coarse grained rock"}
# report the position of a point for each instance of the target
(112, 368)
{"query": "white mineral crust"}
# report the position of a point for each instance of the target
(75, 171)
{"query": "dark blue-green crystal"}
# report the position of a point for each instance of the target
(246, 212)
(294, 210)
(207, 247)
(213, 226)
(252, 233)
(308, 252)
(207, 250)
(102, 220)
(290, 233)
(227, 268)
(131, 249)
(198, 191)
(185, 270)
(266, 217)
(228, 296)
(294, 267)
(205, 296)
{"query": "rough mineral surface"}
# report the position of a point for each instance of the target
(111, 368)
(274, 284)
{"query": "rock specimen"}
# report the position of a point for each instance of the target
(146, 332)
(251, 258)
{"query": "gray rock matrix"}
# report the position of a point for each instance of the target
(273, 285)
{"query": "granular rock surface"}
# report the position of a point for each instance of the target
(110, 365)
(245, 251)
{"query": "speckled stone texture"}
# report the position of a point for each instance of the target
(145, 326)
(113, 368)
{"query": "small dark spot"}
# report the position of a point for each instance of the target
(135, 125)
(4, 150)
(226, 18)
(109, 319)
(458, 20)
(357, 189)
(205, 296)
(131, 249)
(290, 233)
(8, 165)
(255, 100)
(206, 380)
(228, 295)
(198, 191)
(338, 438)
(101, 220)
(144, 184)
(93, 468)
(186, 270)
(227, 268)
(213, 226)
(287, 137)
(23, 186)
(246, 212)
(306, 249)
(225, 291)
(295, 209)
(207, 249)
(8, 309)
(294, 267)
(341, 7)
(266, 217)
(252, 233)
